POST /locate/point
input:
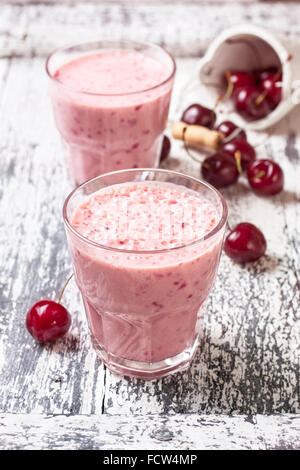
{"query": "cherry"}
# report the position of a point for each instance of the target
(240, 149)
(240, 78)
(47, 320)
(220, 170)
(265, 177)
(248, 103)
(228, 127)
(165, 149)
(261, 74)
(245, 243)
(199, 115)
(271, 87)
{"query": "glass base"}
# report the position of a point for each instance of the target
(146, 370)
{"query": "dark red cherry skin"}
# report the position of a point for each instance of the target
(219, 170)
(47, 321)
(265, 177)
(272, 85)
(248, 153)
(228, 127)
(196, 114)
(165, 149)
(247, 106)
(261, 74)
(240, 78)
(245, 243)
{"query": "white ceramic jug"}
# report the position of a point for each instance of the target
(247, 47)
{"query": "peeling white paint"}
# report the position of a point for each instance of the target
(248, 361)
(185, 432)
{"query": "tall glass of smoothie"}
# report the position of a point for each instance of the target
(110, 101)
(145, 246)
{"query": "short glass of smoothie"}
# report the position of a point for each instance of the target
(110, 101)
(145, 246)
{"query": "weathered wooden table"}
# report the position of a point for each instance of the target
(242, 390)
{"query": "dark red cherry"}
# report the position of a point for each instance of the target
(265, 177)
(245, 243)
(220, 170)
(239, 148)
(271, 87)
(228, 127)
(47, 321)
(199, 115)
(165, 149)
(248, 103)
(240, 78)
(263, 73)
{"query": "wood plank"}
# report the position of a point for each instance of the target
(184, 28)
(155, 432)
(65, 377)
(248, 361)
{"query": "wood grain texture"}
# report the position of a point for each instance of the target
(184, 28)
(34, 257)
(248, 361)
(154, 432)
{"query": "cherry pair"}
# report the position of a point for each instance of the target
(224, 167)
(264, 176)
(256, 93)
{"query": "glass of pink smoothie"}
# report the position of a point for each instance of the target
(110, 101)
(145, 246)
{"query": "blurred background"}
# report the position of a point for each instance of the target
(185, 27)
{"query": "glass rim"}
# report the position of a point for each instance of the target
(205, 237)
(111, 42)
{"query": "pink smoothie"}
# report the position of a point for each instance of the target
(111, 109)
(143, 304)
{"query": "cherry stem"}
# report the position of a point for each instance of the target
(263, 95)
(63, 289)
(238, 157)
(228, 226)
(218, 101)
(229, 90)
(187, 148)
(206, 165)
(260, 174)
(228, 93)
